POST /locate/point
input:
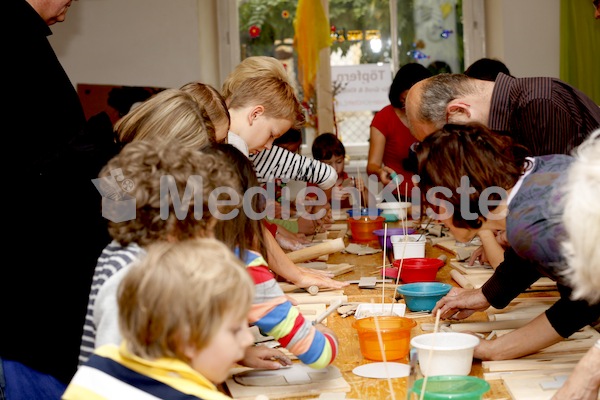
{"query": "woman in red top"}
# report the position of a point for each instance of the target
(390, 138)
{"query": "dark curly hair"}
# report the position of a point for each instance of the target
(489, 160)
(145, 164)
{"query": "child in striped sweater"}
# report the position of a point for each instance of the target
(271, 311)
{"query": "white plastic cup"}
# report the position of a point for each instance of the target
(414, 248)
(448, 353)
(395, 208)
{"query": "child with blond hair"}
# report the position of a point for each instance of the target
(211, 100)
(167, 115)
(153, 122)
(247, 85)
(183, 314)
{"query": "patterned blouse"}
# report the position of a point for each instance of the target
(535, 231)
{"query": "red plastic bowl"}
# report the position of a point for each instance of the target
(418, 269)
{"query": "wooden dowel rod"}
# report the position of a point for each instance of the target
(461, 279)
(310, 253)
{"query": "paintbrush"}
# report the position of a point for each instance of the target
(424, 229)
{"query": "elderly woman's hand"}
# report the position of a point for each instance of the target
(461, 303)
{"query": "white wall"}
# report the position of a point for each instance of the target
(169, 43)
(131, 42)
(525, 35)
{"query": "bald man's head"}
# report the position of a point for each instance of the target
(419, 126)
(446, 98)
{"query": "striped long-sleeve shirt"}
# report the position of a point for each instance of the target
(275, 316)
(546, 115)
(278, 162)
(102, 318)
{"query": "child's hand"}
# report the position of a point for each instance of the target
(339, 193)
(290, 240)
(308, 279)
(265, 358)
(479, 256)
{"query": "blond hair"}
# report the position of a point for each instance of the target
(252, 67)
(581, 218)
(178, 295)
(212, 101)
(276, 95)
(169, 114)
(144, 164)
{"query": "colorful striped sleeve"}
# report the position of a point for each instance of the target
(275, 316)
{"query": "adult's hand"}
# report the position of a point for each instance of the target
(385, 175)
(461, 303)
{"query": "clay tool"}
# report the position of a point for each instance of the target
(425, 229)
(332, 307)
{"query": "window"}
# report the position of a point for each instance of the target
(383, 33)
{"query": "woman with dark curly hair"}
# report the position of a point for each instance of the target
(475, 179)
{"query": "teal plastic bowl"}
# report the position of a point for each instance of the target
(422, 296)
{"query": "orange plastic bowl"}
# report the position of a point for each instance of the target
(418, 269)
(363, 227)
(395, 335)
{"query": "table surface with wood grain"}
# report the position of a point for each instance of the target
(349, 356)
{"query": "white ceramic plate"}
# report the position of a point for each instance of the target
(382, 370)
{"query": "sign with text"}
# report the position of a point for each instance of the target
(362, 87)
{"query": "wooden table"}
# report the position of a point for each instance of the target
(349, 355)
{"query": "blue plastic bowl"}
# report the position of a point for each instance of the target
(422, 296)
(364, 212)
(391, 231)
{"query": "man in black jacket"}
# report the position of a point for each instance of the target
(52, 210)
